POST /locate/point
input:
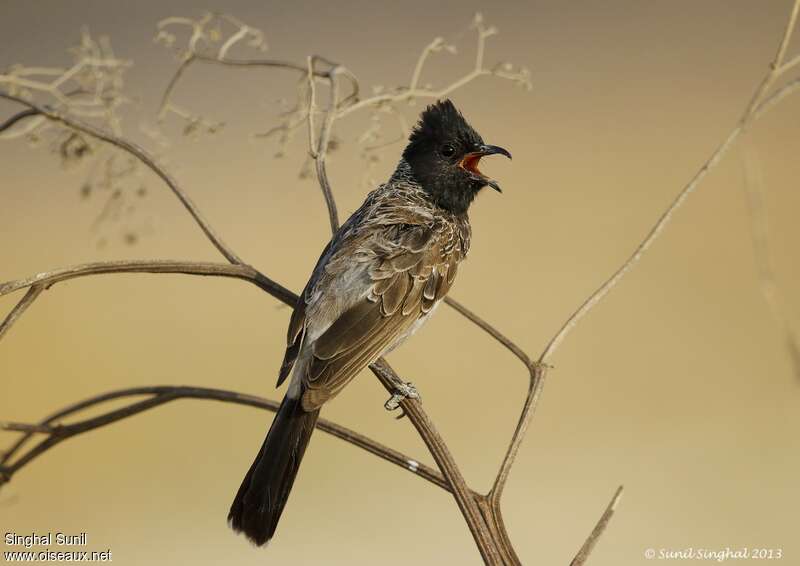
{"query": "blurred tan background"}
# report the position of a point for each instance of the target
(678, 385)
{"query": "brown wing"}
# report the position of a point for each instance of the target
(294, 339)
(297, 323)
(408, 278)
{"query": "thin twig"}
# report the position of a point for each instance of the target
(256, 63)
(319, 149)
(312, 109)
(248, 273)
(493, 517)
(776, 67)
(583, 554)
(489, 329)
(41, 281)
(173, 82)
(26, 301)
(17, 117)
(12, 426)
(31, 113)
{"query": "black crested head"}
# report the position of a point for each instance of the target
(443, 152)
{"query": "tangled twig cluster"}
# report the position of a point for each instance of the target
(92, 88)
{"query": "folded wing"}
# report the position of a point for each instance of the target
(411, 269)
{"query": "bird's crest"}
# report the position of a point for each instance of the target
(439, 122)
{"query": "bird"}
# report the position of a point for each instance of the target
(381, 276)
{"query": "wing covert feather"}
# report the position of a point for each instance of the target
(409, 276)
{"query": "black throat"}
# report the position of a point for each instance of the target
(451, 193)
(454, 199)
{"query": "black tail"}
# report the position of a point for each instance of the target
(261, 497)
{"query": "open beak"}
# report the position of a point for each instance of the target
(471, 160)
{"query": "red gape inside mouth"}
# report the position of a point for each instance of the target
(470, 163)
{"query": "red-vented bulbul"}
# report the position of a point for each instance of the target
(378, 280)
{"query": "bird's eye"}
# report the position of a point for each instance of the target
(448, 150)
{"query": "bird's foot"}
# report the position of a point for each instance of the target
(402, 390)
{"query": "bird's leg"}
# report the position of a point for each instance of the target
(402, 390)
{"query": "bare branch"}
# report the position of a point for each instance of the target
(489, 329)
(312, 108)
(493, 516)
(438, 449)
(538, 373)
(15, 458)
(319, 152)
(19, 116)
(776, 68)
(23, 427)
(46, 279)
(166, 98)
(26, 301)
(255, 63)
(583, 554)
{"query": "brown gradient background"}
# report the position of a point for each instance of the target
(678, 385)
